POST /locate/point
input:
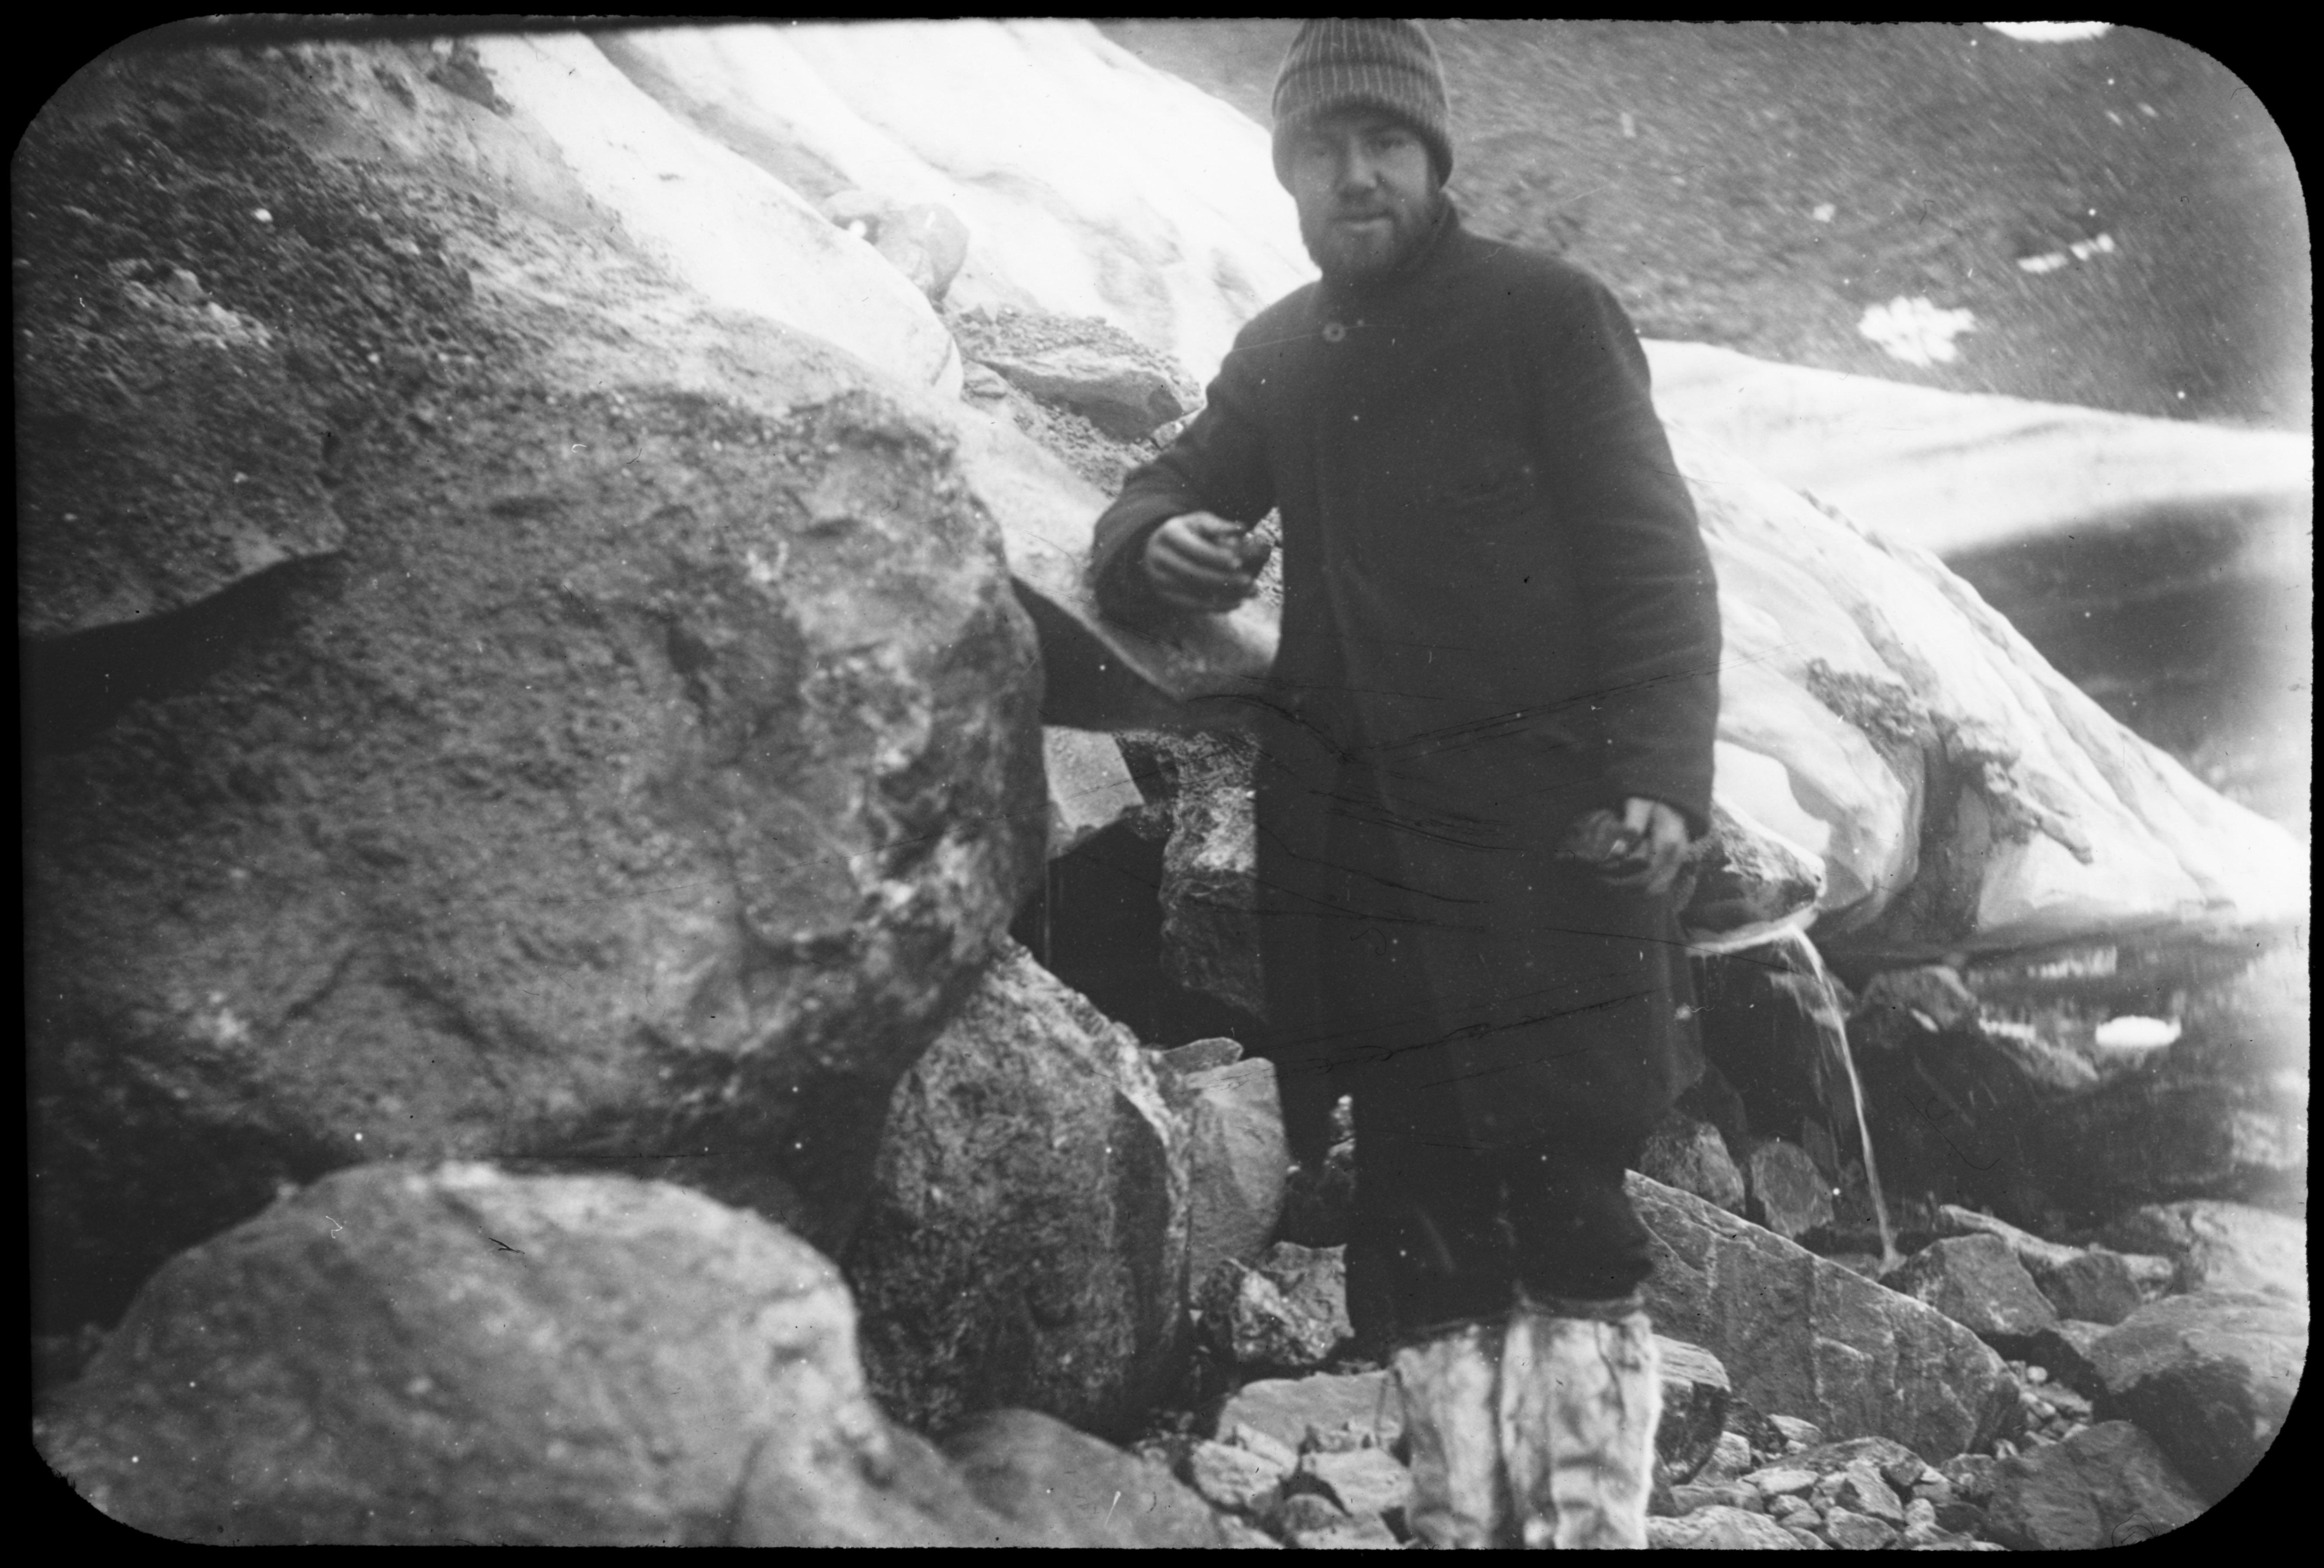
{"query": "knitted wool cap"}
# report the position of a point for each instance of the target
(1365, 63)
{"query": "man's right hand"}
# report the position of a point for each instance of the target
(1202, 562)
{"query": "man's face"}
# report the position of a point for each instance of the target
(1365, 189)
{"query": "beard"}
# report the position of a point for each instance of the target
(1358, 242)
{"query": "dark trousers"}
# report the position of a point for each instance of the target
(1445, 1234)
(1506, 1029)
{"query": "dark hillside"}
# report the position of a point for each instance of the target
(1687, 163)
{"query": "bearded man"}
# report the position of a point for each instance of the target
(1487, 745)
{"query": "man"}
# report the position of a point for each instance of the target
(1488, 745)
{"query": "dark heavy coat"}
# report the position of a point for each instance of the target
(1498, 613)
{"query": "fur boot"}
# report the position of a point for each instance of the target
(1450, 1386)
(1581, 1395)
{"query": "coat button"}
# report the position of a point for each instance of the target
(1333, 332)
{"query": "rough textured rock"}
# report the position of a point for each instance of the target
(400, 1355)
(1288, 1312)
(1788, 1194)
(1121, 394)
(2219, 1246)
(2074, 1496)
(1236, 1163)
(1696, 1395)
(1691, 1156)
(2210, 1376)
(2093, 1285)
(1850, 1531)
(1802, 1335)
(2063, 1349)
(1749, 881)
(1720, 1529)
(1285, 1408)
(1027, 1242)
(643, 781)
(1210, 932)
(1070, 1489)
(1978, 1282)
(1230, 1476)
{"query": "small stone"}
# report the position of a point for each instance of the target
(1862, 1490)
(1279, 1455)
(1808, 1539)
(1365, 1482)
(1902, 1474)
(1786, 1509)
(1364, 1535)
(1854, 1532)
(1806, 1434)
(1919, 1512)
(1781, 1479)
(1306, 1511)
(1234, 1478)
(1731, 1456)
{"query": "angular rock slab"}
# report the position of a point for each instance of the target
(399, 1355)
(1978, 1282)
(1809, 1338)
(1237, 1163)
(2210, 1376)
(1025, 1244)
(2089, 1491)
(1068, 1488)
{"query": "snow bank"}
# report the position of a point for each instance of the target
(1091, 184)
(1952, 471)
(711, 219)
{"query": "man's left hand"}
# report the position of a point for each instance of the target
(1660, 835)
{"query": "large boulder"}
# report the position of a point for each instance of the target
(409, 1356)
(1809, 1338)
(2089, 1491)
(1978, 1282)
(643, 780)
(2210, 1376)
(1026, 1241)
(2220, 1246)
(2090, 1284)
